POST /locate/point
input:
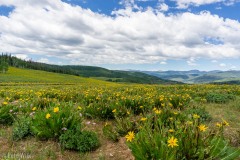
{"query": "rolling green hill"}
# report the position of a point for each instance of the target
(86, 71)
(35, 76)
(116, 75)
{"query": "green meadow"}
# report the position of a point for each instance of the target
(84, 118)
(38, 76)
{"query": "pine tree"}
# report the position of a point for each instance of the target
(3, 66)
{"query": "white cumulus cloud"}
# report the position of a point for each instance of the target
(187, 3)
(56, 29)
(163, 7)
(222, 65)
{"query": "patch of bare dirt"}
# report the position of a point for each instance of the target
(108, 149)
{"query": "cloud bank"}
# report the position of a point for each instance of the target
(186, 3)
(57, 29)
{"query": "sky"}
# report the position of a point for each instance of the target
(148, 35)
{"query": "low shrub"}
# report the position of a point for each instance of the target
(219, 98)
(82, 141)
(21, 128)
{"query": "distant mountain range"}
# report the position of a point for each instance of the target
(131, 76)
(196, 76)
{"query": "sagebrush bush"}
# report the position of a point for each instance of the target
(82, 141)
(219, 97)
(21, 128)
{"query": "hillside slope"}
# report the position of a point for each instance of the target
(117, 75)
(87, 71)
(36, 76)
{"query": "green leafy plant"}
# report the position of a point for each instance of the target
(7, 114)
(99, 110)
(204, 115)
(43, 102)
(189, 139)
(135, 105)
(82, 141)
(124, 125)
(51, 122)
(120, 127)
(110, 132)
(220, 149)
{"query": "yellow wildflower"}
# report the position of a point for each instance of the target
(172, 142)
(79, 108)
(189, 122)
(195, 116)
(141, 106)
(143, 119)
(130, 136)
(225, 123)
(175, 112)
(34, 108)
(202, 127)
(5, 103)
(158, 111)
(218, 124)
(171, 130)
(56, 109)
(48, 116)
(114, 110)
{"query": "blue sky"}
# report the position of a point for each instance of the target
(221, 9)
(124, 34)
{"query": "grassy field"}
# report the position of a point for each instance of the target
(121, 121)
(35, 76)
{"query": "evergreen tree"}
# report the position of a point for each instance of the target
(3, 66)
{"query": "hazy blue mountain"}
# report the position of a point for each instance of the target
(196, 76)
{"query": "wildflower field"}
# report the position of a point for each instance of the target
(119, 121)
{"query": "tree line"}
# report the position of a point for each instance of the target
(7, 60)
